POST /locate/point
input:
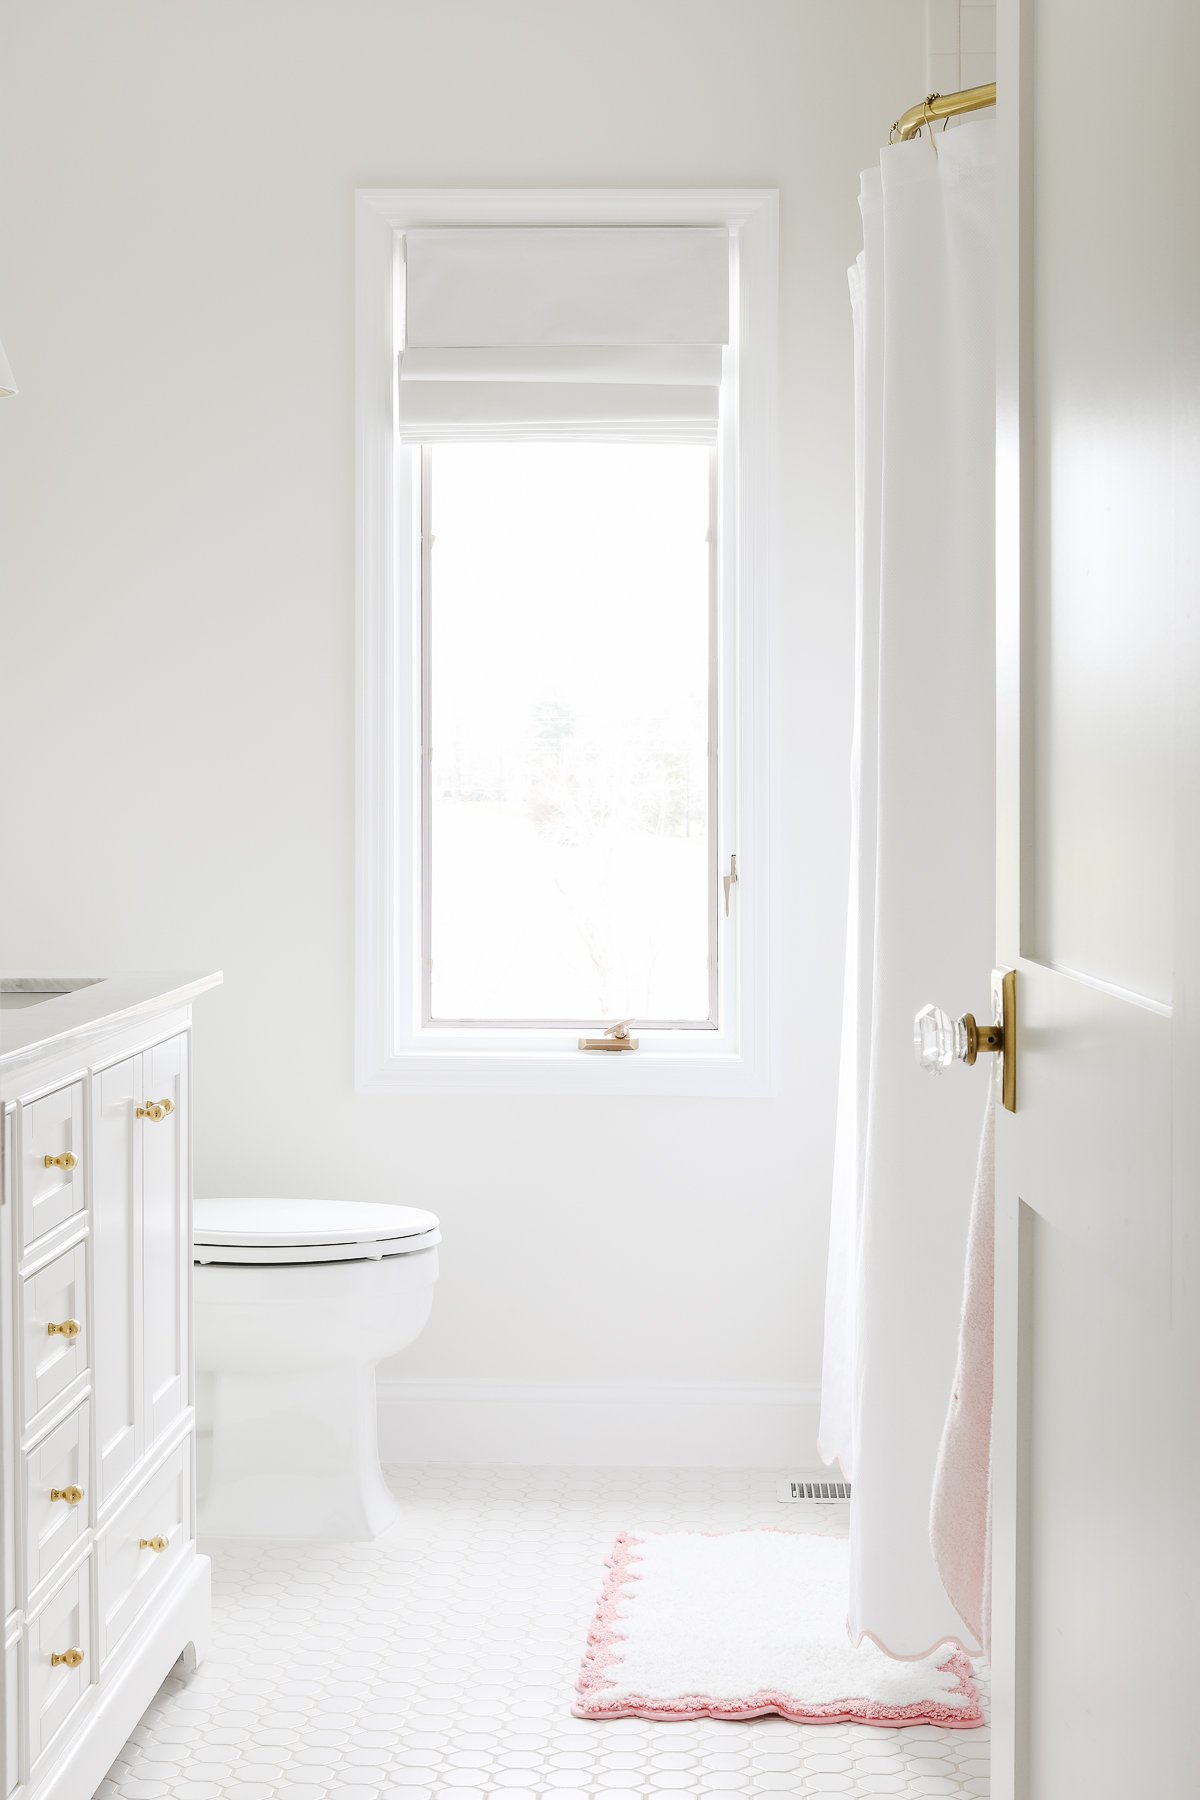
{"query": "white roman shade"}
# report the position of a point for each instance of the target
(610, 332)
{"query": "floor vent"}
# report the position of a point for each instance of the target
(813, 1490)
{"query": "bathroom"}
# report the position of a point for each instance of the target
(211, 738)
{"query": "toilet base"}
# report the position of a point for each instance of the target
(293, 1455)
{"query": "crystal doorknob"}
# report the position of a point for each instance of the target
(939, 1040)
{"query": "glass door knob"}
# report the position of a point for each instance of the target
(940, 1040)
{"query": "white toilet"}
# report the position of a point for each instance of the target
(296, 1301)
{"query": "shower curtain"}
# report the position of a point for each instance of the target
(920, 921)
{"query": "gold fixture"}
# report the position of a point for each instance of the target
(70, 1328)
(1004, 1008)
(67, 1160)
(156, 1109)
(72, 1495)
(941, 106)
(72, 1658)
(730, 881)
(940, 1040)
(155, 1543)
(616, 1037)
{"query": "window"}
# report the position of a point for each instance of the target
(570, 739)
(564, 511)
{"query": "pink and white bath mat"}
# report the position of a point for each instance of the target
(741, 1623)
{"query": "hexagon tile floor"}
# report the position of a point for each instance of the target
(442, 1661)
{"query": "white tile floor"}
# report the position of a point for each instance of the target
(442, 1661)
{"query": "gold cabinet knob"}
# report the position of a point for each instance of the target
(158, 1544)
(72, 1658)
(72, 1495)
(70, 1328)
(67, 1160)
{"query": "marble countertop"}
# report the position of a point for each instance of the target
(37, 1012)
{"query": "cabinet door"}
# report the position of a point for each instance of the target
(117, 1250)
(165, 1232)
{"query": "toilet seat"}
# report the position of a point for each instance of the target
(275, 1232)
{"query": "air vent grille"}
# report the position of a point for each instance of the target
(822, 1491)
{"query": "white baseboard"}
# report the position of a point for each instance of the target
(599, 1424)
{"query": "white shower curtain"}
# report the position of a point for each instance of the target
(921, 911)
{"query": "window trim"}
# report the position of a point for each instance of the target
(393, 1052)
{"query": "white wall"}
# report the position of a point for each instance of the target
(961, 43)
(177, 488)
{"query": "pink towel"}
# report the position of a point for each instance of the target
(960, 1519)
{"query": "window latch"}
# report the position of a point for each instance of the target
(730, 881)
(616, 1037)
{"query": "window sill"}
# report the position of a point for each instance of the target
(708, 1076)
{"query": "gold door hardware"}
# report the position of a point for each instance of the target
(67, 1160)
(72, 1658)
(940, 1040)
(155, 1543)
(616, 1037)
(730, 881)
(72, 1495)
(156, 1109)
(70, 1328)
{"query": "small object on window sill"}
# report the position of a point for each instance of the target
(616, 1037)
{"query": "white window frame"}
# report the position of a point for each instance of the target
(394, 1050)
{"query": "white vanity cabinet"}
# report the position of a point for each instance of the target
(103, 1589)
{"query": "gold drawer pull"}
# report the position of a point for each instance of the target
(67, 1160)
(72, 1658)
(72, 1495)
(158, 1544)
(70, 1328)
(156, 1109)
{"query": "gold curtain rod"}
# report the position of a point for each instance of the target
(941, 106)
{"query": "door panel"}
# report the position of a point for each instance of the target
(1096, 716)
(165, 1237)
(117, 1249)
(1087, 1330)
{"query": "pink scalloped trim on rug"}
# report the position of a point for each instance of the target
(603, 1652)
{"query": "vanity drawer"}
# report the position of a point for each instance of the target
(56, 1296)
(130, 1569)
(56, 1472)
(51, 1136)
(61, 1627)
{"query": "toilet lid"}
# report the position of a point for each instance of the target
(266, 1231)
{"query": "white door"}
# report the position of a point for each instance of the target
(166, 1251)
(117, 1270)
(1098, 710)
